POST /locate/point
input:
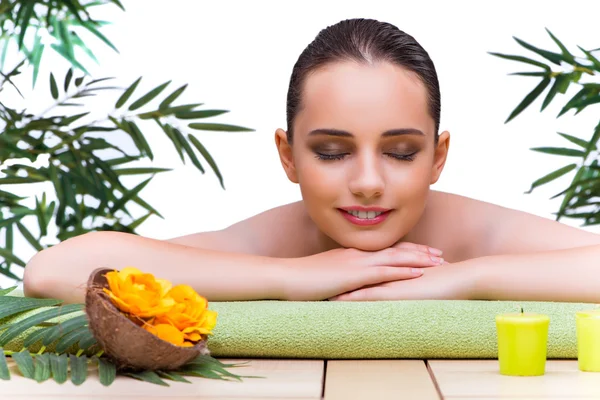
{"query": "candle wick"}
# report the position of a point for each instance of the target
(521, 310)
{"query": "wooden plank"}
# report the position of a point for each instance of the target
(481, 379)
(280, 379)
(378, 379)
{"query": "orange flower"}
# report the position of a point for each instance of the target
(189, 314)
(138, 293)
(166, 332)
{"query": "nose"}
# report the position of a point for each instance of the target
(367, 177)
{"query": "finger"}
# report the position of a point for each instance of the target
(418, 247)
(408, 258)
(379, 275)
(374, 293)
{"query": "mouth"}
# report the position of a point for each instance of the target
(365, 216)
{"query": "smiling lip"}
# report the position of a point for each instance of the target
(385, 212)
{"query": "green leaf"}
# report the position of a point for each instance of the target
(219, 127)
(61, 50)
(522, 59)
(38, 50)
(558, 84)
(148, 97)
(552, 176)
(168, 130)
(582, 103)
(19, 327)
(147, 376)
(79, 369)
(575, 140)
(9, 256)
(42, 368)
(90, 27)
(107, 371)
(4, 372)
(171, 98)
(34, 337)
(188, 149)
(129, 195)
(207, 157)
(139, 139)
(24, 362)
(71, 338)
(530, 73)
(559, 151)
(87, 340)
(79, 81)
(127, 94)
(139, 221)
(567, 56)
(14, 305)
(548, 55)
(529, 98)
(138, 171)
(172, 376)
(59, 364)
(9, 238)
(53, 87)
(41, 217)
(65, 36)
(593, 142)
(199, 114)
(68, 78)
(591, 57)
(62, 328)
(4, 292)
(26, 9)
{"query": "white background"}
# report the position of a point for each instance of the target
(238, 55)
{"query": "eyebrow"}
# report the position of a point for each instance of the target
(388, 133)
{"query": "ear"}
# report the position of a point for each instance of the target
(285, 155)
(440, 155)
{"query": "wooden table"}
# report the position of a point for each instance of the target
(338, 380)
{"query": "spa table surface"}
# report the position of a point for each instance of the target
(343, 380)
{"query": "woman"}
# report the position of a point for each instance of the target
(362, 141)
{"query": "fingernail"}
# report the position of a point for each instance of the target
(438, 260)
(417, 271)
(437, 252)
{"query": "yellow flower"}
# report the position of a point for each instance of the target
(166, 332)
(189, 314)
(138, 293)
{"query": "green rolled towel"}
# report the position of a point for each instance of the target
(421, 329)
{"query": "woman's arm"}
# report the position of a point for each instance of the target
(62, 270)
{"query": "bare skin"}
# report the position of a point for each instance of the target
(343, 155)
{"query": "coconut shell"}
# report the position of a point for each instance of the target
(127, 344)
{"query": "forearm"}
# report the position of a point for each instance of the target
(568, 275)
(62, 271)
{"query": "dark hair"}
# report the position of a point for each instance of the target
(363, 40)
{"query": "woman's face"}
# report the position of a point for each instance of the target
(363, 152)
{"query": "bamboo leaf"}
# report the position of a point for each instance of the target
(42, 368)
(128, 195)
(127, 94)
(9, 256)
(59, 365)
(188, 149)
(575, 140)
(552, 176)
(591, 57)
(55, 332)
(139, 221)
(207, 157)
(579, 95)
(19, 327)
(548, 55)
(138, 171)
(38, 50)
(522, 59)
(529, 98)
(559, 151)
(171, 98)
(53, 87)
(530, 73)
(90, 27)
(24, 362)
(139, 139)
(26, 9)
(558, 83)
(78, 369)
(66, 38)
(147, 376)
(221, 127)
(14, 305)
(68, 78)
(4, 372)
(593, 141)
(107, 371)
(199, 114)
(61, 50)
(41, 217)
(172, 376)
(567, 56)
(148, 97)
(168, 130)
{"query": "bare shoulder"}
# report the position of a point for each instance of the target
(472, 228)
(283, 231)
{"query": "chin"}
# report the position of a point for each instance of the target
(367, 241)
